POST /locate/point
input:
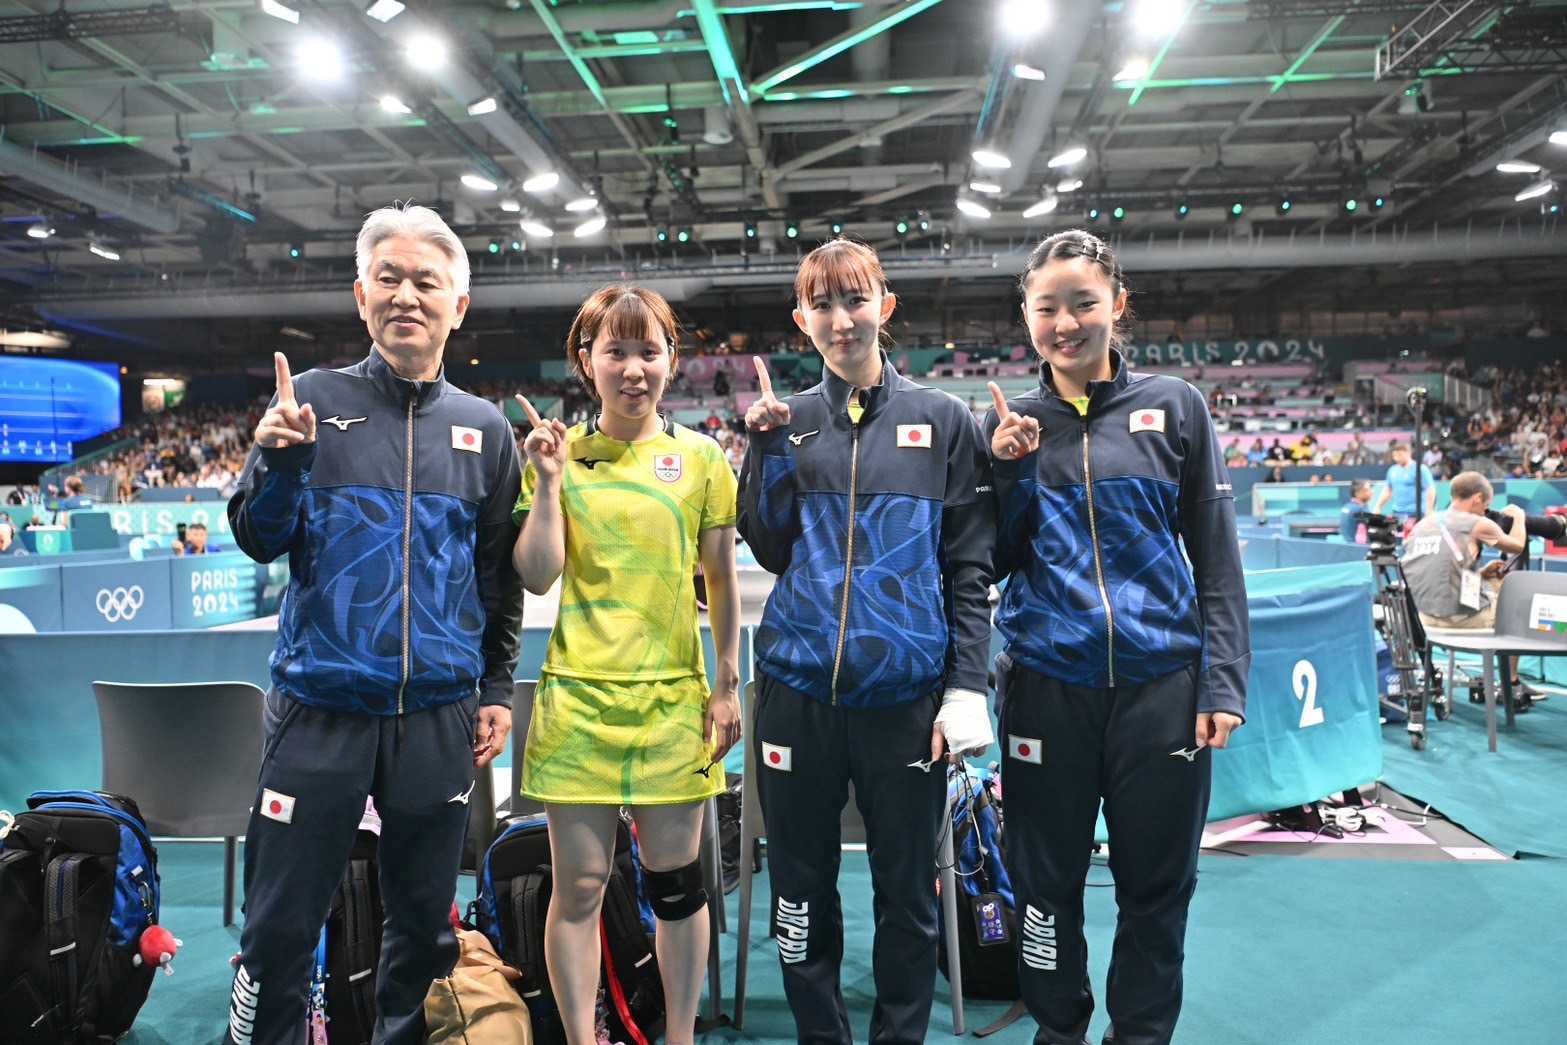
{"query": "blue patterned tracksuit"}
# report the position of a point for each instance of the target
(401, 618)
(1113, 645)
(880, 532)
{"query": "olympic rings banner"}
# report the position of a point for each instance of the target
(161, 594)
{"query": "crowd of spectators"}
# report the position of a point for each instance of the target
(188, 446)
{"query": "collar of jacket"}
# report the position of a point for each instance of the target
(837, 390)
(593, 426)
(1098, 391)
(379, 372)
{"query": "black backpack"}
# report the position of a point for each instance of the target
(349, 951)
(514, 895)
(78, 887)
(987, 913)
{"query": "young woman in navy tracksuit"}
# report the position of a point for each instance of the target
(868, 495)
(1122, 664)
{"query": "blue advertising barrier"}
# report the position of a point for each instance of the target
(103, 592)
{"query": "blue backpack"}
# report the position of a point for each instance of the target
(78, 887)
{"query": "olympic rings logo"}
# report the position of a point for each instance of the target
(121, 603)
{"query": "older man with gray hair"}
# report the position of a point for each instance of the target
(390, 491)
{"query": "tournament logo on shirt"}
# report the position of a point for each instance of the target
(1147, 420)
(775, 757)
(470, 439)
(914, 435)
(667, 467)
(1025, 749)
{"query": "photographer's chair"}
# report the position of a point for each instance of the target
(1531, 620)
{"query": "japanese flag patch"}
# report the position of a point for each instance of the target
(775, 757)
(914, 435)
(470, 439)
(667, 467)
(1147, 420)
(277, 806)
(1025, 749)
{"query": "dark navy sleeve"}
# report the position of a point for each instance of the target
(500, 586)
(1207, 505)
(267, 511)
(1349, 522)
(1014, 482)
(767, 518)
(968, 538)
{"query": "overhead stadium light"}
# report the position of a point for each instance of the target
(792, 230)
(837, 228)
(1069, 184)
(394, 105)
(1518, 167)
(40, 230)
(484, 106)
(972, 208)
(281, 11)
(1559, 137)
(1023, 18)
(662, 235)
(319, 59)
(1068, 157)
(1135, 69)
(385, 10)
(541, 183)
(1118, 213)
(1043, 207)
(582, 203)
(104, 252)
(991, 158)
(426, 52)
(1539, 188)
(1283, 206)
(511, 206)
(985, 186)
(479, 183)
(1182, 209)
(536, 228)
(1027, 72)
(591, 226)
(1157, 19)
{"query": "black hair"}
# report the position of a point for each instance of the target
(1079, 243)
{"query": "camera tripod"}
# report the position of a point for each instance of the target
(1419, 681)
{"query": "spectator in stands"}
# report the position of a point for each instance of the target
(1349, 515)
(1441, 563)
(1275, 475)
(1355, 452)
(1277, 452)
(75, 495)
(1400, 486)
(1234, 456)
(15, 497)
(195, 542)
(1256, 455)
(10, 544)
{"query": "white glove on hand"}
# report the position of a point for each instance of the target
(964, 719)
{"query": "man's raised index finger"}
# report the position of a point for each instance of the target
(285, 381)
(999, 399)
(762, 376)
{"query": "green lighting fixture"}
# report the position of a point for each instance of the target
(685, 234)
(1237, 209)
(1118, 214)
(662, 235)
(792, 230)
(296, 250)
(837, 228)
(1351, 205)
(901, 228)
(1181, 210)
(495, 246)
(750, 230)
(1093, 213)
(1283, 206)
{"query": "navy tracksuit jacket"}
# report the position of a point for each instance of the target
(1113, 645)
(401, 618)
(880, 532)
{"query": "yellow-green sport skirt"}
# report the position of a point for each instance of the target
(619, 743)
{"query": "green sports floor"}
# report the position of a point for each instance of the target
(1282, 950)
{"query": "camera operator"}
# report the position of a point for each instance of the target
(1441, 563)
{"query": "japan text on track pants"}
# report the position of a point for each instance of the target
(1066, 748)
(804, 755)
(318, 768)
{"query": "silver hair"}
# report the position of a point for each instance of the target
(410, 220)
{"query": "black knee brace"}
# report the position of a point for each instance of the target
(678, 894)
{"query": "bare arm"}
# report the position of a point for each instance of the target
(717, 549)
(540, 552)
(1382, 498)
(1512, 541)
